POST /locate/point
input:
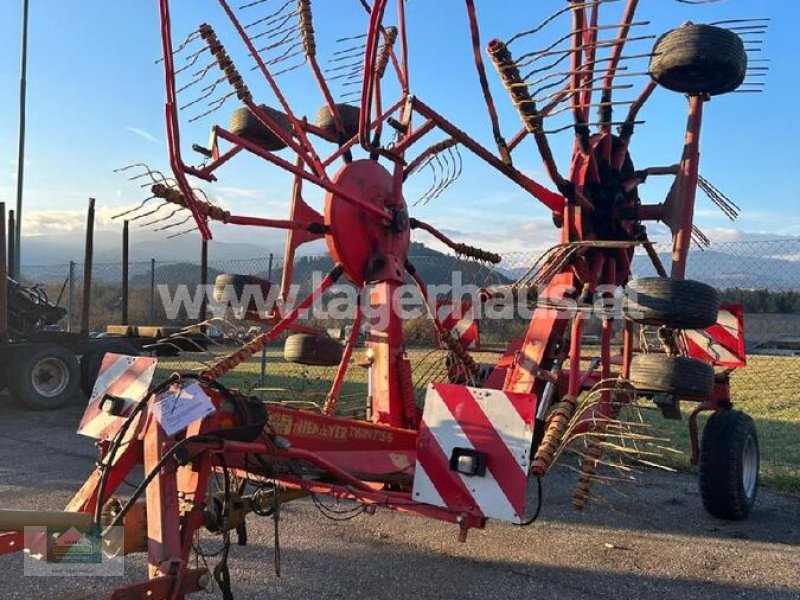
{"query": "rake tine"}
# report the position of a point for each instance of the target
(150, 212)
(161, 219)
(180, 233)
(133, 210)
(186, 42)
(553, 17)
(173, 225)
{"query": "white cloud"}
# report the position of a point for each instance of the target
(144, 135)
(721, 234)
(44, 222)
(502, 236)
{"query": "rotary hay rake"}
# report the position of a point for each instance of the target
(486, 438)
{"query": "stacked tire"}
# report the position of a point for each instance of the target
(729, 451)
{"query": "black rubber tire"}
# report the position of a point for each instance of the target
(349, 114)
(314, 350)
(699, 59)
(93, 359)
(679, 375)
(32, 362)
(729, 438)
(676, 303)
(247, 126)
(239, 283)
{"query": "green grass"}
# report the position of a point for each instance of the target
(766, 389)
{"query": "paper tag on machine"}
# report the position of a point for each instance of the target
(179, 407)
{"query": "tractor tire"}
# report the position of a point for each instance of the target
(349, 114)
(676, 303)
(245, 124)
(241, 285)
(44, 376)
(678, 375)
(729, 464)
(93, 360)
(699, 59)
(314, 350)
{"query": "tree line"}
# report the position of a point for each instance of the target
(764, 301)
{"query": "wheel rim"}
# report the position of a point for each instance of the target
(50, 377)
(749, 466)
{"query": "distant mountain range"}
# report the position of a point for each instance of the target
(49, 250)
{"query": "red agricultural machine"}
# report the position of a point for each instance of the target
(486, 437)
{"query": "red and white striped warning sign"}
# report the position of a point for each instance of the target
(722, 344)
(459, 318)
(120, 376)
(493, 424)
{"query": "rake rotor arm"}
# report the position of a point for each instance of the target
(579, 111)
(616, 53)
(344, 364)
(627, 128)
(552, 200)
(402, 77)
(370, 79)
(173, 126)
(502, 146)
(459, 248)
(531, 117)
(297, 128)
(370, 209)
(215, 213)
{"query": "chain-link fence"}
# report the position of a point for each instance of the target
(764, 276)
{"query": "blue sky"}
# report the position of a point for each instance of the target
(96, 103)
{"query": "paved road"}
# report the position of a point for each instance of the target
(651, 540)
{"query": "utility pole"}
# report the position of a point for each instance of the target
(23, 89)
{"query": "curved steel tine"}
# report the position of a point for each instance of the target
(191, 60)
(438, 173)
(215, 106)
(129, 167)
(161, 219)
(180, 233)
(133, 210)
(197, 77)
(553, 17)
(150, 212)
(206, 92)
(176, 224)
(275, 13)
(182, 46)
(425, 163)
(447, 172)
(293, 67)
(458, 164)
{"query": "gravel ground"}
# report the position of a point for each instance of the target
(650, 540)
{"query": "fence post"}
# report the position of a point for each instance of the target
(12, 247)
(152, 319)
(204, 278)
(71, 296)
(125, 267)
(3, 276)
(269, 268)
(87, 268)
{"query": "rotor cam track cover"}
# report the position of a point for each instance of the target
(356, 237)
